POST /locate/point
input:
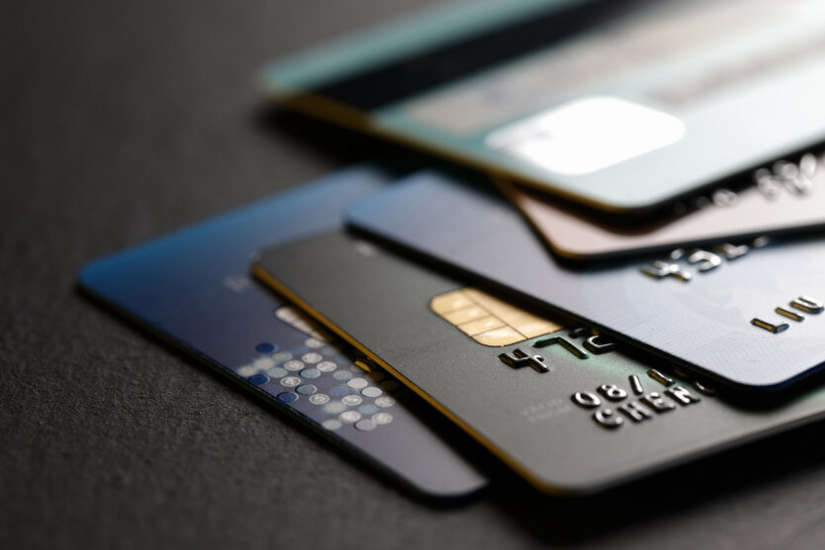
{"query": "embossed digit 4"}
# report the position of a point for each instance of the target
(519, 359)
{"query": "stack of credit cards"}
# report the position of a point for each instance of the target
(622, 272)
(569, 405)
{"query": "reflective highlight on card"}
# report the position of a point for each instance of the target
(588, 135)
(625, 107)
(787, 196)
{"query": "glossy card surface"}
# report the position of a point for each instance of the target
(747, 315)
(624, 106)
(784, 198)
(565, 408)
(192, 288)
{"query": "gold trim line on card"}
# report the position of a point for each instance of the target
(282, 289)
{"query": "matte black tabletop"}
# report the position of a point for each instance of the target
(121, 121)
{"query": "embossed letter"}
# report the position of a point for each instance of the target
(681, 395)
(808, 305)
(606, 418)
(660, 378)
(635, 412)
(655, 402)
(598, 344)
(776, 329)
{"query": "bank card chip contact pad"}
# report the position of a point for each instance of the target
(566, 408)
(746, 314)
(621, 105)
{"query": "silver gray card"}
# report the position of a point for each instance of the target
(749, 315)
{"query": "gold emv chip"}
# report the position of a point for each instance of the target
(488, 320)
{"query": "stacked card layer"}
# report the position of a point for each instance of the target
(747, 315)
(623, 106)
(192, 288)
(570, 409)
(788, 197)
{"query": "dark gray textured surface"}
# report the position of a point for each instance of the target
(122, 121)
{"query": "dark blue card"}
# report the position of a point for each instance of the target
(192, 287)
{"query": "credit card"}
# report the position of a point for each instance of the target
(192, 288)
(786, 197)
(623, 106)
(566, 408)
(746, 314)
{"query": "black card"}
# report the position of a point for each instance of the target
(567, 409)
